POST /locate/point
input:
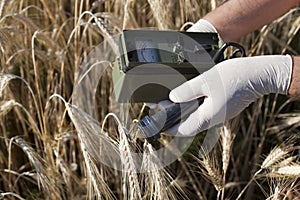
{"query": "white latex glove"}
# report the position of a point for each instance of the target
(229, 87)
(202, 26)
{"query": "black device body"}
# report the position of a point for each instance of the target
(151, 63)
(189, 54)
(152, 125)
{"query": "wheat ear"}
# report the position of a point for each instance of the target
(89, 138)
(37, 162)
(160, 12)
(161, 184)
(129, 168)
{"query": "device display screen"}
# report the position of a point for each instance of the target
(166, 47)
(149, 51)
(146, 50)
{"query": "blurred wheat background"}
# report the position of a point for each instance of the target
(45, 144)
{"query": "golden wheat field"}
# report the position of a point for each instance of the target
(50, 149)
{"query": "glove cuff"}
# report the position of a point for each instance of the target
(278, 73)
(290, 66)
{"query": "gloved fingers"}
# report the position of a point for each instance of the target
(190, 90)
(198, 121)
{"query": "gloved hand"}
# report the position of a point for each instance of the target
(228, 88)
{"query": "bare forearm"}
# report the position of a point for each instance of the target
(236, 18)
(294, 89)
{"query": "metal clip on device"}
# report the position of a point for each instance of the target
(170, 58)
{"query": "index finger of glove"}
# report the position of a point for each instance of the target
(189, 90)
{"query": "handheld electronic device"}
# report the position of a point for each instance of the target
(151, 63)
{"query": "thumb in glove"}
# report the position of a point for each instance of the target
(229, 87)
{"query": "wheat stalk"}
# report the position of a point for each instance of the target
(4, 80)
(89, 138)
(210, 169)
(129, 171)
(213, 174)
(3, 194)
(275, 157)
(284, 187)
(6, 106)
(161, 184)
(38, 163)
(227, 138)
(2, 5)
(103, 27)
(126, 14)
(226, 143)
(148, 183)
(160, 12)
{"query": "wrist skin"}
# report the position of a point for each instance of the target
(294, 89)
(236, 18)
